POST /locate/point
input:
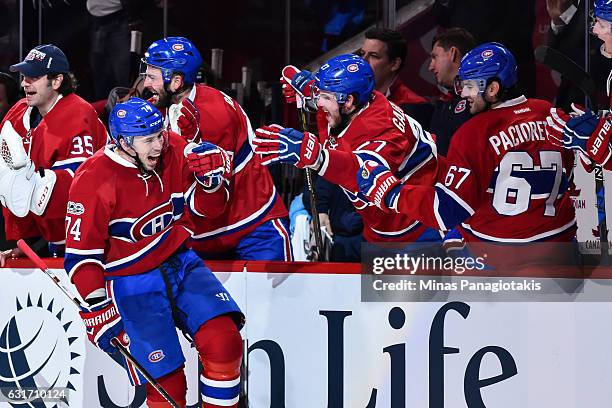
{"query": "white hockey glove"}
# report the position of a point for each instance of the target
(25, 190)
(11, 147)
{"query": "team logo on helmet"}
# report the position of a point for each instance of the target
(352, 68)
(178, 47)
(121, 113)
(487, 54)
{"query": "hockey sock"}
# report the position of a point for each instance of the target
(220, 347)
(175, 384)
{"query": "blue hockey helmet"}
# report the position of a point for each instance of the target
(134, 118)
(486, 61)
(174, 55)
(344, 75)
(603, 9)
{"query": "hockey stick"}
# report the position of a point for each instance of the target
(561, 63)
(40, 264)
(313, 198)
(557, 61)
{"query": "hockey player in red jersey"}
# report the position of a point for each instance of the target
(356, 124)
(252, 226)
(126, 226)
(59, 130)
(505, 183)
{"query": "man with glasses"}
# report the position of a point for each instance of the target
(59, 131)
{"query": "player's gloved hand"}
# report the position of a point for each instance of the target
(583, 131)
(103, 324)
(555, 126)
(596, 131)
(378, 184)
(276, 144)
(210, 163)
(185, 120)
(559, 134)
(296, 83)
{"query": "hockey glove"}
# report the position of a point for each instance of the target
(103, 323)
(276, 144)
(598, 144)
(210, 163)
(378, 184)
(185, 120)
(557, 132)
(26, 189)
(295, 82)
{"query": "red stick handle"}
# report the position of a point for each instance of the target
(32, 255)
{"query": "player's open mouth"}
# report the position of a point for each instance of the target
(153, 159)
(153, 97)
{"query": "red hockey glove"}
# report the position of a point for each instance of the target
(211, 164)
(598, 145)
(555, 126)
(188, 120)
(103, 324)
(295, 82)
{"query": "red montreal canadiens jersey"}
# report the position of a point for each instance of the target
(67, 135)
(127, 223)
(380, 132)
(505, 182)
(254, 199)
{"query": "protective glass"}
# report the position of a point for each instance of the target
(601, 25)
(323, 95)
(469, 87)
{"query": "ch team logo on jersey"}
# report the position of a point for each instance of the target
(153, 222)
(352, 68)
(486, 54)
(460, 107)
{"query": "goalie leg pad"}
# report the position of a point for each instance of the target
(220, 348)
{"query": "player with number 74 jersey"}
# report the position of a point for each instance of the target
(505, 181)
